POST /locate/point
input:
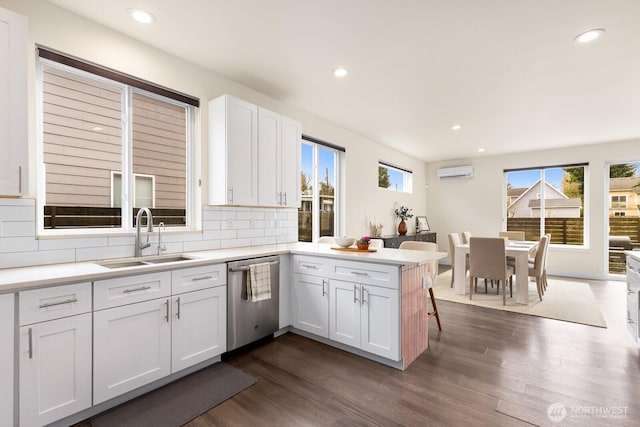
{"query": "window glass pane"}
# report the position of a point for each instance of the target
(305, 212)
(82, 144)
(523, 189)
(394, 179)
(624, 213)
(116, 190)
(327, 180)
(564, 200)
(159, 152)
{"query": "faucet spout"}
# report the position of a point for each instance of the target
(139, 245)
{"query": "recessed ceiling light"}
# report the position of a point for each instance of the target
(456, 127)
(480, 150)
(589, 36)
(141, 16)
(340, 72)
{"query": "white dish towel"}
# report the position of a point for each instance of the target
(259, 282)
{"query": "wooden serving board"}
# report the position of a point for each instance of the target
(354, 249)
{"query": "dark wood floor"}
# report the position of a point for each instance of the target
(486, 368)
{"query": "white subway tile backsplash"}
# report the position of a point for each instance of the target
(222, 227)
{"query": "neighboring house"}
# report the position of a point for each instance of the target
(557, 204)
(623, 196)
(513, 193)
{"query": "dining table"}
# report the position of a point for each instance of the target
(517, 249)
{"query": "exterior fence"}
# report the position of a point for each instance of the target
(570, 231)
(305, 224)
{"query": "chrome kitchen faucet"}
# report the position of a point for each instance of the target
(139, 245)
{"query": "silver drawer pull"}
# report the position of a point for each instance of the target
(141, 288)
(314, 267)
(359, 273)
(51, 304)
(30, 344)
(195, 279)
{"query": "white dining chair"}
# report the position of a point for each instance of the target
(454, 240)
(376, 243)
(326, 239)
(488, 260)
(537, 270)
(432, 273)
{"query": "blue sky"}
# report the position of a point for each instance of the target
(326, 163)
(526, 178)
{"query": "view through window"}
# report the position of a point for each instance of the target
(318, 182)
(547, 201)
(93, 130)
(394, 178)
(624, 213)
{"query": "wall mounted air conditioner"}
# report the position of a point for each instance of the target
(456, 172)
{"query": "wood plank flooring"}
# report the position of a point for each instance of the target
(486, 368)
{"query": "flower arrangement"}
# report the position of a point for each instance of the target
(403, 213)
(364, 240)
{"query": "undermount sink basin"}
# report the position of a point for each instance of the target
(138, 262)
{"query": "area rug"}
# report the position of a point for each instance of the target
(179, 402)
(568, 300)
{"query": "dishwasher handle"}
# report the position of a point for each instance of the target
(246, 267)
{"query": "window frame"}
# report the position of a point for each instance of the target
(407, 177)
(127, 227)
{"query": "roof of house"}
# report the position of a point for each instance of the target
(629, 183)
(556, 203)
(516, 191)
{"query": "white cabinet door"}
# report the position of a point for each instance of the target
(7, 327)
(132, 347)
(311, 300)
(289, 163)
(344, 312)
(55, 369)
(380, 321)
(199, 326)
(233, 152)
(269, 146)
(13, 103)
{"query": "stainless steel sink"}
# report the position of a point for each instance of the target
(139, 262)
(162, 260)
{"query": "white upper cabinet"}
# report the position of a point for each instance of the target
(13, 103)
(254, 155)
(233, 152)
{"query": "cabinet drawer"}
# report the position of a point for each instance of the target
(127, 290)
(315, 266)
(365, 273)
(44, 304)
(196, 278)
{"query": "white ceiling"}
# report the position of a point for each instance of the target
(507, 70)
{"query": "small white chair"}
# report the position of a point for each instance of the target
(376, 243)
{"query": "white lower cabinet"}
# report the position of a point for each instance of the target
(54, 353)
(55, 369)
(199, 326)
(132, 347)
(365, 317)
(7, 327)
(311, 304)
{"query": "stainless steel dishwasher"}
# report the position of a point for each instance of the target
(249, 321)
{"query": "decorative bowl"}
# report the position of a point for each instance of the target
(344, 241)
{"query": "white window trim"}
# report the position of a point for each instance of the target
(136, 175)
(192, 217)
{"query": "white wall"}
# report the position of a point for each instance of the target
(477, 204)
(60, 30)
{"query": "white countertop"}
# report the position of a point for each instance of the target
(16, 279)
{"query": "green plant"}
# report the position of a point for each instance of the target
(404, 213)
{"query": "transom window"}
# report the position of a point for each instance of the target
(394, 178)
(109, 148)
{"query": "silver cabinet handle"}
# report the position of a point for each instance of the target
(230, 191)
(195, 279)
(323, 284)
(285, 199)
(280, 198)
(363, 290)
(178, 309)
(355, 294)
(30, 344)
(51, 304)
(141, 288)
(19, 179)
(166, 316)
(359, 273)
(313, 267)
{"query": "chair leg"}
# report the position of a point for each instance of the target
(539, 286)
(485, 286)
(435, 309)
(504, 292)
(452, 274)
(511, 286)
(471, 287)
